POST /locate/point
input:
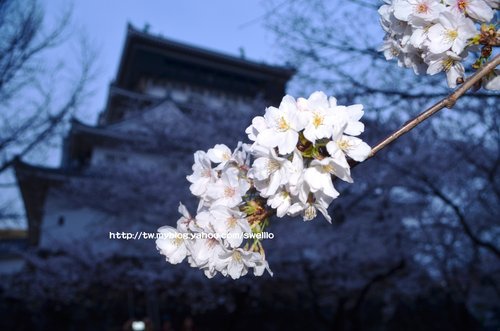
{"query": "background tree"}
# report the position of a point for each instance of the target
(38, 92)
(448, 168)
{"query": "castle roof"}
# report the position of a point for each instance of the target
(156, 58)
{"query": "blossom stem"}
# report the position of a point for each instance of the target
(447, 102)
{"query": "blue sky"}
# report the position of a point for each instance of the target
(221, 25)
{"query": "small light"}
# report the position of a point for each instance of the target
(138, 326)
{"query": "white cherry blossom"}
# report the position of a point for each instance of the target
(230, 222)
(229, 189)
(220, 154)
(389, 22)
(258, 125)
(419, 38)
(318, 116)
(478, 9)
(205, 254)
(186, 223)
(281, 202)
(391, 49)
(386, 17)
(309, 208)
(235, 263)
(494, 4)
(296, 173)
(171, 244)
(417, 12)
(310, 212)
(492, 81)
(241, 155)
(348, 119)
(448, 62)
(271, 168)
(319, 176)
(283, 126)
(202, 174)
(353, 147)
(451, 32)
(261, 265)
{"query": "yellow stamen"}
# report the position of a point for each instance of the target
(317, 120)
(448, 63)
(283, 124)
(422, 8)
(462, 5)
(310, 213)
(272, 166)
(178, 241)
(237, 256)
(229, 191)
(328, 168)
(231, 222)
(211, 243)
(451, 34)
(343, 144)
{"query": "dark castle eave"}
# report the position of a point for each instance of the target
(81, 140)
(116, 92)
(103, 133)
(34, 183)
(24, 170)
(196, 55)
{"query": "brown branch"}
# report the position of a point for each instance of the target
(461, 218)
(474, 238)
(447, 102)
(55, 121)
(373, 281)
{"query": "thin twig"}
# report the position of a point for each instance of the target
(447, 102)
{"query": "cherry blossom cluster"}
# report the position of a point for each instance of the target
(220, 182)
(431, 36)
(298, 150)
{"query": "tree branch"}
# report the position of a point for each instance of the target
(447, 102)
(422, 178)
(461, 218)
(376, 279)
